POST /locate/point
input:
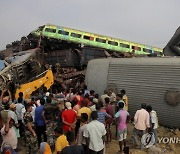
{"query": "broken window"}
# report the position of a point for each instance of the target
(62, 32)
(50, 30)
(100, 40)
(113, 43)
(75, 35)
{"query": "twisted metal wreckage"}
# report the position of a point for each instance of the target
(24, 62)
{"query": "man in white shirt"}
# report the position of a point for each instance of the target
(95, 135)
(20, 110)
(153, 121)
(8, 133)
(104, 96)
(141, 121)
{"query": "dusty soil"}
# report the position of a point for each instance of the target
(113, 147)
(171, 148)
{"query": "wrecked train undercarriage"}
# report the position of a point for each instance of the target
(68, 60)
(21, 68)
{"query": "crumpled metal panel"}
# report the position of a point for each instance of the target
(66, 58)
(89, 53)
(21, 67)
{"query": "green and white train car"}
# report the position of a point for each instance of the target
(95, 40)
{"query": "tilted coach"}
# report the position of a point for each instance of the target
(94, 40)
(154, 81)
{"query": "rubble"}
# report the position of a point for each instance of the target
(68, 60)
(21, 67)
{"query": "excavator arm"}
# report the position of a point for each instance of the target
(46, 78)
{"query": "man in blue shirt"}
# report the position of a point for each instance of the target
(40, 123)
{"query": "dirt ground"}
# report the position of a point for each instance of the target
(113, 147)
(171, 148)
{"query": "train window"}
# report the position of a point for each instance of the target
(124, 45)
(158, 53)
(113, 43)
(88, 37)
(136, 48)
(63, 32)
(75, 35)
(100, 40)
(147, 50)
(50, 30)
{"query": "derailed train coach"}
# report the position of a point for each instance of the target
(154, 81)
(20, 68)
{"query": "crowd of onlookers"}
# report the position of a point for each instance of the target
(77, 121)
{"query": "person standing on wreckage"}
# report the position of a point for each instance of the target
(49, 116)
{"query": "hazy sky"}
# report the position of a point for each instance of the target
(151, 22)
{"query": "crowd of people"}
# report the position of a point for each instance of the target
(76, 121)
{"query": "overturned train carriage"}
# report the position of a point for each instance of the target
(21, 68)
(154, 81)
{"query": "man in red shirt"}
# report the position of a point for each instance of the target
(69, 118)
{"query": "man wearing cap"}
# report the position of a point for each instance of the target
(69, 118)
(13, 115)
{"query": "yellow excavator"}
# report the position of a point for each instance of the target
(45, 79)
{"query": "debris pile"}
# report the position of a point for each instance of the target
(68, 60)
